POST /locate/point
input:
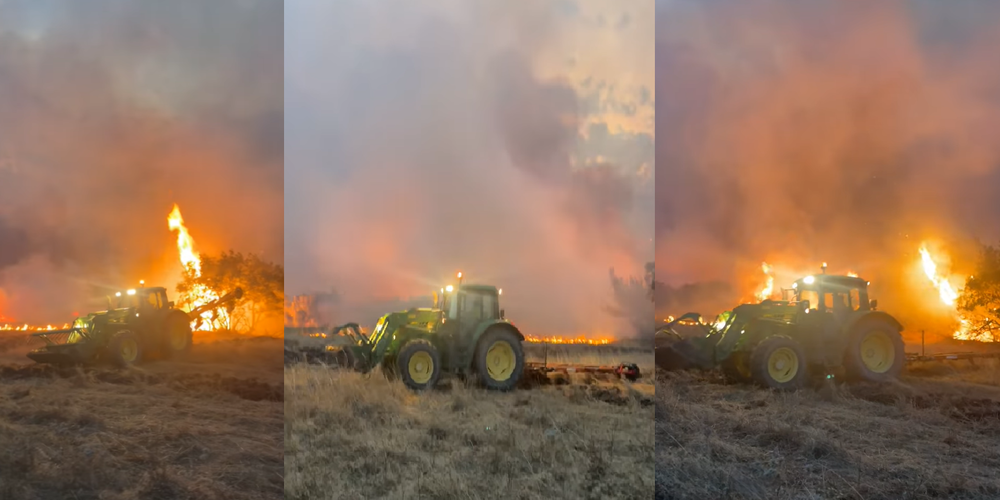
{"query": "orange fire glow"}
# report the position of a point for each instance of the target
(768, 289)
(945, 290)
(7, 327)
(565, 340)
(191, 261)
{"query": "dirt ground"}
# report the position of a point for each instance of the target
(934, 434)
(203, 427)
(353, 436)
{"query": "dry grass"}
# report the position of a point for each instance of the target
(203, 427)
(934, 434)
(351, 436)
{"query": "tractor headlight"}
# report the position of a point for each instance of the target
(809, 280)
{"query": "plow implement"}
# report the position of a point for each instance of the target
(627, 371)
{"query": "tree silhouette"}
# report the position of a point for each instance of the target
(263, 285)
(979, 302)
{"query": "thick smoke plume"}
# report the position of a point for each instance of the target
(795, 133)
(110, 112)
(424, 140)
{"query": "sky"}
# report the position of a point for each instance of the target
(511, 140)
(802, 132)
(111, 111)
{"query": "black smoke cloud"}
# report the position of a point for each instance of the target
(113, 110)
(803, 132)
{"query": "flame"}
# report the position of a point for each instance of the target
(852, 274)
(768, 289)
(946, 292)
(191, 261)
(563, 340)
(8, 327)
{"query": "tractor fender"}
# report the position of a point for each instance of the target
(500, 323)
(404, 334)
(873, 316)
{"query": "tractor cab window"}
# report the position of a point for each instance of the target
(472, 307)
(855, 299)
(812, 297)
(153, 300)
(478, 306)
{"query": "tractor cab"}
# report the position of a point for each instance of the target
(151, 299)
(835, 294)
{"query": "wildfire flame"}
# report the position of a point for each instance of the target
(946, 292)
(766, 292)
(29, 328)
(563, 340)
(191, 261)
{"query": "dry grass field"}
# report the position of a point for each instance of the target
(935, 434)
(353, 436)
(203, 427)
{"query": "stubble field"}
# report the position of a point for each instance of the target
(206, 426)
(349, 435)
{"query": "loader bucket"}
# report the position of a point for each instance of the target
(674, 352)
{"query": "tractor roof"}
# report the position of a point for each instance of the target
(479, 288)
(838, 280)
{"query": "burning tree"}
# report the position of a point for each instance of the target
(979, 301)
(262, 283)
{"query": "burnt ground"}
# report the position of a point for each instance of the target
(933, 434)
(349, 435)
(205, 426)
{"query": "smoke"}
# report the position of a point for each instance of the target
(113, 110)
(633, 300)
(432, 138)
(802, 132)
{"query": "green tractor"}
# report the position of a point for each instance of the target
(465, 333)
(824, 324)
(139, 324)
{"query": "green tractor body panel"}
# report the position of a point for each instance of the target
(821, 316)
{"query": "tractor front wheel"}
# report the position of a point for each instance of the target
(419, 365)
(779, 363)
(499, 359)
(875, 353)
(123, 350)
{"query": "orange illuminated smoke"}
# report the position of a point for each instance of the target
(191, 261)
(768, 289)
(566, 340)
(945, 291)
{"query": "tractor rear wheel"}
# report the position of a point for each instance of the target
(123, 349)
(177, 336)
(875, 353)
(499, 359)
(419, 365)
(779, 362)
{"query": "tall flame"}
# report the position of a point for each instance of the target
(191, 261)
(766, 292)
(946, 292)
(185, 244)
